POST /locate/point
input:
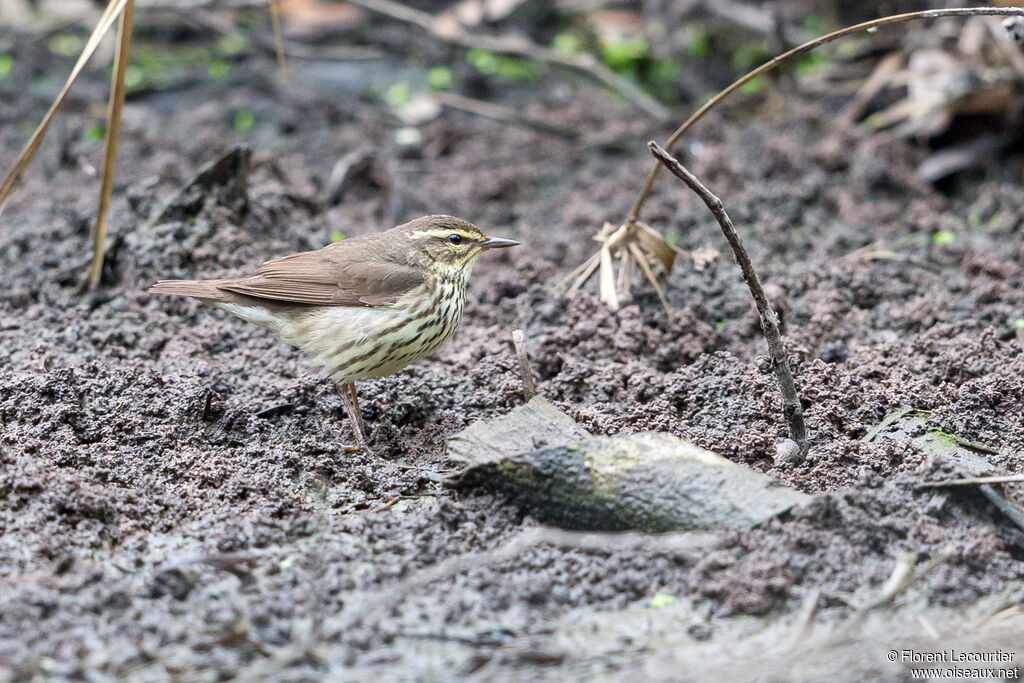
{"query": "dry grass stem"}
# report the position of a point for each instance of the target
(14, 176)
(275, 23)
(116, 105)
(791, 407)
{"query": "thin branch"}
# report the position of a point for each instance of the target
(499, 113)
(1010, 511)
(634, 214)
(117, 92)
(769, 321)
(517, 46)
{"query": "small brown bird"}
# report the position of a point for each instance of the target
(363, 307)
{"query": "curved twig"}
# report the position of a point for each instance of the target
(634, 214)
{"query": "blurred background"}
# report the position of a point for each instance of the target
(952, 87)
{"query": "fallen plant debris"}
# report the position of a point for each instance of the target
(634, 245)
(649, 481)
(629, 234)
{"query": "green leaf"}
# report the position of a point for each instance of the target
(66, 44)
(218, 69)
(754, 87)
(1018, 324)
(567, 42)
(812, 63)
(943, 237)
(493, 64)
(95, 133)
(398, 94)
(515, 69)
(133, 76)
(230, 44)
(244, 120)
(337, 235)
(662, 600)
(746, 57)
(6, 64)
(622, 54)
(663, 71)
(699, 42)
(439, 78)
(484, 60)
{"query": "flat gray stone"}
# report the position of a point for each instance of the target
(652, 481)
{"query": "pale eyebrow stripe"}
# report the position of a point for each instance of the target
(443, 234)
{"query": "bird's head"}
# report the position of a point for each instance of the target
(449, 245)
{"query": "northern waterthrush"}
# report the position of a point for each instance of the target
(362, 307)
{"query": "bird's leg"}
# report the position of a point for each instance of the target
(358, 412)
(351, 411)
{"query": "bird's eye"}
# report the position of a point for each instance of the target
(454, 239)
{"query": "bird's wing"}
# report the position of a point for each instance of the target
(348, 273)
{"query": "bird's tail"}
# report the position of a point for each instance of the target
(206, 290)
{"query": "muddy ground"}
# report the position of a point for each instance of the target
(140, 434)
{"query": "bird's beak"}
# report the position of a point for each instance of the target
(497, 243)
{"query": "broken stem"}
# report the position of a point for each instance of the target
(634, 214)
(769, 321)
(519, 341)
